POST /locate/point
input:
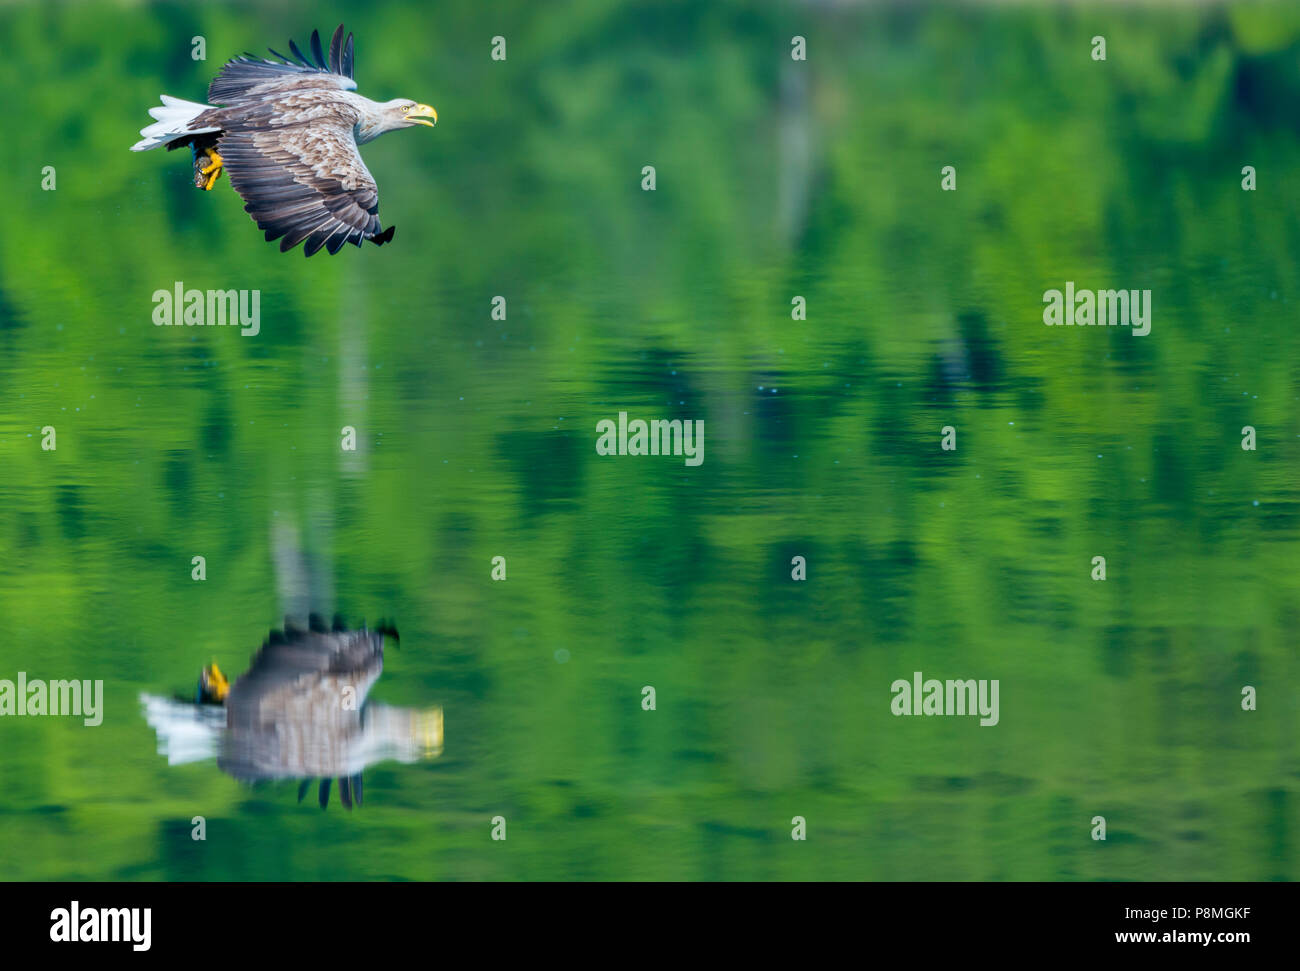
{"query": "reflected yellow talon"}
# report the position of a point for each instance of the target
(214, 168)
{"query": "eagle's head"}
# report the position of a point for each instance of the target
(213, 686)
(392, 115)
(413, 113)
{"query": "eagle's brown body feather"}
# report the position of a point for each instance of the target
(294, 159)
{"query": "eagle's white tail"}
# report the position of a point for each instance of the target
(173, 119)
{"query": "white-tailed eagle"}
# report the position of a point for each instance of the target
(288, 131)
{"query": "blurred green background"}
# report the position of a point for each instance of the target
(775, 179)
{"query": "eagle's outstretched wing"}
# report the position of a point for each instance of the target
(250, 77)
(291, 660)
(295, 162)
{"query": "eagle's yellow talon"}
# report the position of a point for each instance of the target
(214, 168)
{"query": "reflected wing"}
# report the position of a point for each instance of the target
(298, 664)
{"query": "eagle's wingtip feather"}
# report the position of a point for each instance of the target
(336, 51)
(317, 54)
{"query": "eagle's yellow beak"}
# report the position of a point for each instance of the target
(416, 115)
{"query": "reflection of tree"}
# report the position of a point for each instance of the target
(794, 132)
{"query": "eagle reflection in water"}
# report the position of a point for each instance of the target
(299, 712)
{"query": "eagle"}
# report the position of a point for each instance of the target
(288, 130)
(299, 712)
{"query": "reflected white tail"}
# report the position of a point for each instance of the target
(186, 733)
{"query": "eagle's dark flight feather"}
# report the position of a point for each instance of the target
(248, 76)
(301, 182)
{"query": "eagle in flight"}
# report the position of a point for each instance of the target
(288, 131)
